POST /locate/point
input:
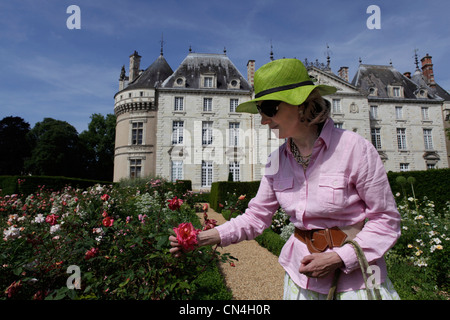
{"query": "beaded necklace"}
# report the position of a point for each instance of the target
(302, 160)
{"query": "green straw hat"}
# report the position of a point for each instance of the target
(285, 80)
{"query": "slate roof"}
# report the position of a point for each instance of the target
(196, 64)
(153, 76)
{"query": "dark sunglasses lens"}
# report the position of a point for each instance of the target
(269, 107)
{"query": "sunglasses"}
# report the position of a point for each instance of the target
(269, 107)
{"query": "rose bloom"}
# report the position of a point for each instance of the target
(187, 235)
(107, 222)
(104, 197)
(91, 253)
(242, 197)
(51, 219)
(175, 203)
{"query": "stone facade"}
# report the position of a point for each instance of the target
(182, 125)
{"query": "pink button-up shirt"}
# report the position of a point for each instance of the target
(345, 183)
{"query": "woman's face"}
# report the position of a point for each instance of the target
(285, 123)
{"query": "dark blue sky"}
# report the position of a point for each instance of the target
(48, 70)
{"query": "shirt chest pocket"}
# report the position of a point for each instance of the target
(283, 190)
(333, 190)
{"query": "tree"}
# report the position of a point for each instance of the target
(55, 149)
(97, 145)
(14, 147)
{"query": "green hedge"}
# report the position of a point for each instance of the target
(30, 184)
(219, 191)
(434, 184)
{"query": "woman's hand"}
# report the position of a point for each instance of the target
(204, 238)
(176, 247)
(319, 265)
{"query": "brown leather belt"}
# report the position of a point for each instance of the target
(318, 240)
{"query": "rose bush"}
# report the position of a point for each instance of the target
(116, 236)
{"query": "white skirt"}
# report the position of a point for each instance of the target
(293, 292)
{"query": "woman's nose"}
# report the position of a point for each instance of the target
(265, 119)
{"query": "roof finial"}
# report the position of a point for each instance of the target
(416, 59)
(360, 60)
(162, 43)
(190, 49)
(225, 50)
(271, 50)
(328, 52)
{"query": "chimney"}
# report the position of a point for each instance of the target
(427, 70)
(135, 61)
(343, 73)
(251, 72)
(407, 74)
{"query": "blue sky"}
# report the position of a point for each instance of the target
(48, 70)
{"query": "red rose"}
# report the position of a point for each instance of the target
(107, 222)
(51, 219)
(175, 203)
(91, 253)
(187, 235)
(104, 197)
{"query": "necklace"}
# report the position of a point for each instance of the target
(302, 160)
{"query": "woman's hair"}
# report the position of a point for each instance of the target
(316, 109)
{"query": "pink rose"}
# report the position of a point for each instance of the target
(187, 235)
(91, 253)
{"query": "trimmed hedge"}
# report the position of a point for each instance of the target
(220, 189)
(30, 184)
(434, 184)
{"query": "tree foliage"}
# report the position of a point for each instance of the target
(14, 147)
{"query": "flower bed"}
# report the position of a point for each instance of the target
(105, 242)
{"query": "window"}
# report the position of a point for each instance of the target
(428, 139)
(404, 167)
(425, 113)
(208, 82)
(338, 125)
(137, 133)
(401, 138)
(177, 132)
(207, 136)
(376, 137)
(177, 170)
(207, 104)
(233, 104)
(396, 91)
(141, 93)
(179, 104)
(135, 168)
(337, 106)
(235, 170)
(398, 113)
(207, 172)
(431, 166)
(234, 134)
(373, 112)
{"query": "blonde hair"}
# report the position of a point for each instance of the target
(316, 109)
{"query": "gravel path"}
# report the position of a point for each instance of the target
(257, 275)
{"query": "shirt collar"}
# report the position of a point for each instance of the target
(325, 135)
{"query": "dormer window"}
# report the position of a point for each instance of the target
(373, 91)
(234, 84)
(208, 81)
(180, 82)
(395, 91)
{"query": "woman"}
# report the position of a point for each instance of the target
(331, 183)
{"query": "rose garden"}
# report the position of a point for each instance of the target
(116, 239)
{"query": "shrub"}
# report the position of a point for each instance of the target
(117, 238)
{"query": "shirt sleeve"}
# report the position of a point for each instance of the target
(257, 217)
(382, 228)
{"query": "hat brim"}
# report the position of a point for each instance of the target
(293, 96)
